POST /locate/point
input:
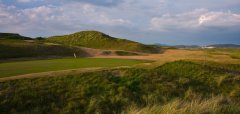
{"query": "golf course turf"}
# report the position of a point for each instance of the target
(26, 67)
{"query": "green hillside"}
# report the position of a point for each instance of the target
(15, 48)
(13, 36)
(98, 40)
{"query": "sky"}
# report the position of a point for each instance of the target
(173, 22)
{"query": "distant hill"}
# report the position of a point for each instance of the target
(186, 46)
(159, 44)
(99, 40)
(13, 36)
(224, 46)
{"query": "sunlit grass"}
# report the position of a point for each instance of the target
(176, 87)
(214, 105)
(26, 67)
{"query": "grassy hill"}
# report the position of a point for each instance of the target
(13, 36)
(180, 87)
(16, 48)
(98, 40)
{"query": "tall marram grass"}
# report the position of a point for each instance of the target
(173, 88)
(214, 105)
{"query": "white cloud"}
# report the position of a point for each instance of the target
(24, 1)
(126, 16)
(103, 19)
(203, 19)
(219, 19)
(42, 12)
(89, 14)
(69, 17)
(8, 16)
(27, 1)
(196, 19)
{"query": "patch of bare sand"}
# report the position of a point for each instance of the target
(93, 52)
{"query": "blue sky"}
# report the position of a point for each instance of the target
(172, 22)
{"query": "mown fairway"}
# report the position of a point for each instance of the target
(26, 67)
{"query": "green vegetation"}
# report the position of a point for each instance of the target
(215, 105)
(125, 53)
(232, 52)
(30, 48)
(17, 46)
(98, 40)
(26, 67)
(177, 87)
(180, 87)
(13, 36)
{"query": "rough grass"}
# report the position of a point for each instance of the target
(214, 105)
(98, 40)
(26, 67)
(125, 53)
(20, 48)
(171, 55)
(232, 52)
(192, 55)
(167, 88)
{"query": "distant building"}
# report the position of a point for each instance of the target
(208, 47)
